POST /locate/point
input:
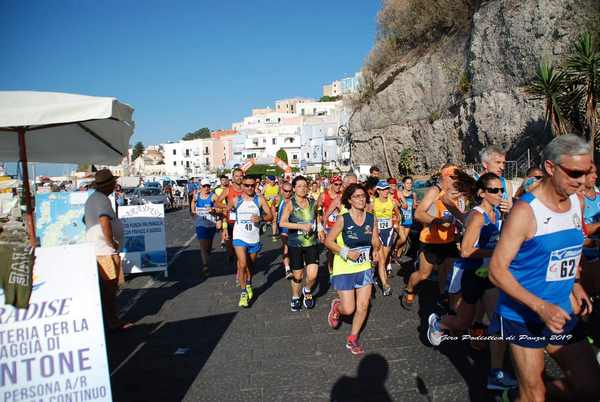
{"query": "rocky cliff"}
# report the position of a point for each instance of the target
(452, 98)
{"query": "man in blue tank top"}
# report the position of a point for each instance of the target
(536, 267)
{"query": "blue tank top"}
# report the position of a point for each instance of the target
(280, 211)
(203, 206)
(591, 210)
(546, 264)
(488, 237)
(357, 236)
(407, 214)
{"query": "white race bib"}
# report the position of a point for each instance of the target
(248, 226)
(333, 217)
(563, 264)
(365, 255)
(232, 216)
(384, 223)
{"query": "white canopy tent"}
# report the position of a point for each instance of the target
(61, 128)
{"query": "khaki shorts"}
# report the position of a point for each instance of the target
(109, 267)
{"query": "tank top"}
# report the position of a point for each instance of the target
(383, 210)
(356, 238)
(203, 206)
(232, 194)
(299, 238)
(488, 238)
(244, 229)
(280, 207)
(435, 233)
(407, 213)
(271, 192)
(330, 220)
(546, 264)
(591, 211)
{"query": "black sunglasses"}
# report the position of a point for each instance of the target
(538, 177)
(494, 190)
(206, 185)
(247, 185)
(573, 174)
(286, 191)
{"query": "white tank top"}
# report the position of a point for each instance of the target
(244, 229)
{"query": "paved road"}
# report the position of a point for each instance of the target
(266, 352)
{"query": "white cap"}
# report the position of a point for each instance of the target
(205, 182)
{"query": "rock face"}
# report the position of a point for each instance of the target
(466, 91)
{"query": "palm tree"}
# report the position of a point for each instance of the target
(549, 85)
(583, 69)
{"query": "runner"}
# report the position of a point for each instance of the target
(218, 191)
(300, 218)
(203, 208)
(351, 240)
(374, 172)
(470, 277)
(315, 190)
(270, 191)
(407, 208)
(536, 267)
(191, 187)
(385, 208)
(246, 233)
(438, 213)
(281, 201)
(493, 159)
(325, 201)
(229, 195)
(534, 177)
(590, 275)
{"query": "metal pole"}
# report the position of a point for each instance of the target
(26, 189)
(528, 159)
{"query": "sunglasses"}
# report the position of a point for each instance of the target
(287, 191)
(206, 185)
(573, 174)
(248, 185)
(538, 177)
(494, 190)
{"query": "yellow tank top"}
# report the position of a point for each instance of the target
(435, 233)
(383, 209)
(270, 193)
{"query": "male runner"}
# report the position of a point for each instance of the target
(536, 267)
(493, 159)
(300, 218)
(270, 192)
(331, 194)
(281, 201)
(224, 184)
(246, 233)
(229, 194)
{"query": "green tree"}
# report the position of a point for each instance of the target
(204, 132)
(550, 85)
(326, 98)
(281, 154)
(583, 70)
(406, 162)
(138, 150)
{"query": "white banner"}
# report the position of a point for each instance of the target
(55, 350)
(145, 246)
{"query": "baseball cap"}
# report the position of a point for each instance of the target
(392, 181)
(205, 182)
(336, 179)
(382, 185)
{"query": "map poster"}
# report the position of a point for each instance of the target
(55, 349)
(59, 217)
(144, 244)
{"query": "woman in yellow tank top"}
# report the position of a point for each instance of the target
(385, 207)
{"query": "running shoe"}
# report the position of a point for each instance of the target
(295, 304)
(434, 332)
(407, 299)
(204, 271)
(243, 300)
(250, 291)
(307, 299)
(388, 270)
(333, 318)
(354, 347)
(501, 380)
(288, 274)
(387, 291)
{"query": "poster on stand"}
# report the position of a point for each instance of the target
(144, 243)
(55, 349)
(59, 218)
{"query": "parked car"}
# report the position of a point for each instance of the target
(153, 184)
(149, 195)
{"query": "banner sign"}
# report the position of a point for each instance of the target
(55, 349)
(144, 244)
(58, 217)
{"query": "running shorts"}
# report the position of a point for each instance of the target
(283, 231)
(386, 236)
(535, 335)
(474, 285)
(300, 257)
(204, 233)
(250, 248)
(455, 279)
(591, 254)
(437, 253)
(353, 281)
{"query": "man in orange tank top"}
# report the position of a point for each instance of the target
(229, 194)
(438, 213)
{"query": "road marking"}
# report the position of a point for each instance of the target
(150, 282)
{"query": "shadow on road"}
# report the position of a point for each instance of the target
(168, 356)
(368, 385)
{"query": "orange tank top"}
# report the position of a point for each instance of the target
(232, 194)
(435, 233)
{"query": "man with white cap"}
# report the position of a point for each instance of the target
(106, 232)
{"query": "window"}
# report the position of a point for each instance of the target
(174, 152)
(187, 152)
(187, 164)
(207, 162)
(308, 155)
(295, 157)
(274, 141)
(205, 150)
(314, 110)
(302, 111)
(325, 154)
(174, 163)
(279, 120)
(264, 140)
(292, 108)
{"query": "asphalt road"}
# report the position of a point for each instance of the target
(193, 343)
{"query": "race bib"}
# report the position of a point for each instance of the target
(232, 216)
(563, 264)
(332, 218)
(248, 226)
(384, 223)
(365, 255)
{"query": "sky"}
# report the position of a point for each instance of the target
(184, 65)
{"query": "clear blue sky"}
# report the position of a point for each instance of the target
(184, 65)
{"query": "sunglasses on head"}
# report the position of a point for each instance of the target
(573, 173)
(494, 190)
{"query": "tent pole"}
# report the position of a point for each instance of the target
(26, 190)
